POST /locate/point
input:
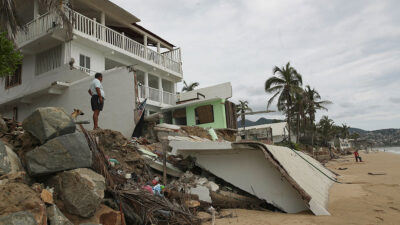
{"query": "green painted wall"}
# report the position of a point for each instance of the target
(219, 114)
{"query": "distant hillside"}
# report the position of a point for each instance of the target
(383, 137)
(357, 130)
(260, 121)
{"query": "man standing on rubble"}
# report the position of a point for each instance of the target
(97, 100)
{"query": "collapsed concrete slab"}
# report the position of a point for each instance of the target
(288, 179)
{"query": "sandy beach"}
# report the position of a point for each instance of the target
(364, 199)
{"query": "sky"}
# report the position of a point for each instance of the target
(349, 51)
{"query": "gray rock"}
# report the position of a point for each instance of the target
(65, 152)
(81, 190)
(18, 218)
(56, 217)
(9, 161)
(47, 123)
(89, 224)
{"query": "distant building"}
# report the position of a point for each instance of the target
(274, 132)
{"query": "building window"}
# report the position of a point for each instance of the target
(48, 60)
(204, 114)
(84, 63)
(16, 79)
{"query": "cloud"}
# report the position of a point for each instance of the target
(394, 100)
(350, 54)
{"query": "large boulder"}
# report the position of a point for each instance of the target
(9, 161)
(65, 152)
(16, 197)
(49, 122)
(56, 217)
(81, 190)
(18, 218)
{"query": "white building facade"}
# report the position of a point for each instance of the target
(99, 36)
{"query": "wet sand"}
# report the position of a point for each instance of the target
(369, 199)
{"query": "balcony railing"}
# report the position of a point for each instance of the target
(157, 95)
(88, 27)
(102, 33)
(37, 27)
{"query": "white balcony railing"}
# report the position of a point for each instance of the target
(102, 33)
(88, 27)
(157, 95)
(37, 27)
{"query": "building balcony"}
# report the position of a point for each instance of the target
(52, 27)
(156, 96)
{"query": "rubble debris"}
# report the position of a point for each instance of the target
(196, 131)
(3, 125)
(65, 152)
(56, 217)
(18, 218)
(202, 192)
(267, 164)
(115, 146)
(227, 134)
(151, 207)
(9, 161)
(18, 177)
(49, 122)
(81, 190)
(47, 196)
(16, 197)
(104, 215)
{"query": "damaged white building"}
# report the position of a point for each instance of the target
(57, 67)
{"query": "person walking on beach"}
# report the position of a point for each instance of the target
(97, 100)
(357, 156)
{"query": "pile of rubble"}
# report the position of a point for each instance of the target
(52, 172)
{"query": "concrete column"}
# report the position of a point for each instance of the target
(161, 89)
(103, 18)
(158, 47)
(146, 85)
(35, 9)
(145, 45)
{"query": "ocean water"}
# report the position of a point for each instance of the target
(390, 149)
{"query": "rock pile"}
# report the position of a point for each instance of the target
(53, 154)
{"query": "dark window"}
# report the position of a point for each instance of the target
(204, 114)
(48, 60)
(84, 63)
(14, 80)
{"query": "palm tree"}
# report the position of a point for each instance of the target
(11, 23)
(285, 83)
(189, 87)
(300, 103)
(326, 129)
(243, 107)
(344, 131)
(314, 103)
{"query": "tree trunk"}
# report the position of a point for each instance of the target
(298, 128)
(288, 123)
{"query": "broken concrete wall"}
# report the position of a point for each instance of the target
(292, 182)
(119, 104)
